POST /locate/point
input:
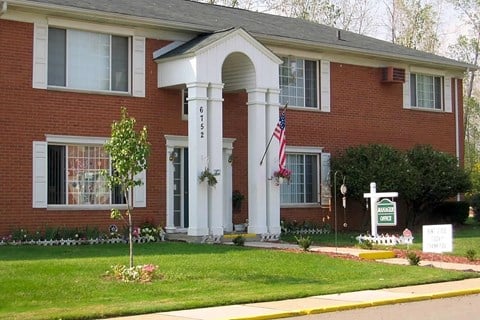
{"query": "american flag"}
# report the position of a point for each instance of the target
(279, 133)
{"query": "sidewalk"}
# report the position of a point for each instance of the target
(331, 302)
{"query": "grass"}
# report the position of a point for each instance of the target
(68, 282)
(465, 237)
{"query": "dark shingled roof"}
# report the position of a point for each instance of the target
(204, 18)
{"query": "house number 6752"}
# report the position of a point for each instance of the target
(202, 123)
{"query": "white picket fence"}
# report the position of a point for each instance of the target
(387, 240)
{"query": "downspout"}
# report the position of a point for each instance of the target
(457, 127)
(3, 8)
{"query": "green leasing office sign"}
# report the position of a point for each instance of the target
(386, 213)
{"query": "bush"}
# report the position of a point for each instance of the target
(304, 242)
(452, 212)
(471, 253)
(413, 258)
(239, 241)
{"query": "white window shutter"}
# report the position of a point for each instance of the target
(39, 174)
(448, 94)
(40, 54)
(140, 192)
(325, 188)
(138, 88)
(325, 86)
(406, 91)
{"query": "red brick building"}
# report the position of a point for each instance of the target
(208, 82)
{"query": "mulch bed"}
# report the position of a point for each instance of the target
(399, 253)
(426, 256)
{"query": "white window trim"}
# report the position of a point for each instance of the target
(39, 176)
(305, 150)
(136, 56)
(446, 89)
(323, 85)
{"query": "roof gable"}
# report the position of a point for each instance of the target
(204, 42)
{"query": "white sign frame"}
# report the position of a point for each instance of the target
(437, 238)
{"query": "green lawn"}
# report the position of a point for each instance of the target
(68, 282)
(465, 237)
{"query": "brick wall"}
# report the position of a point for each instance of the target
(28, 114)
(363, 110)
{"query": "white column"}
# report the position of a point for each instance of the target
(257, 174)
(273, 191)
(198, 158)
(228, 189)
(215, 156)
(170, 226)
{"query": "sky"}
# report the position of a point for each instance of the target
(450, 24)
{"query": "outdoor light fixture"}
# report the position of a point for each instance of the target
(173, 156)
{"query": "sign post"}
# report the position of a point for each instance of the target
(374, 198)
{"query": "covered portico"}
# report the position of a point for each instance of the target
(229, 60)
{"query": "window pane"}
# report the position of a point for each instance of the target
(298, 82)
(303, 186)
(56, 57)
(413, 89)
(119, 63)
(88, 60)
(56, 175)
(310, 84)
(311, 174)
(86, 184)
(438, 93)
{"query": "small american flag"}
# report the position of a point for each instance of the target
(279, 133)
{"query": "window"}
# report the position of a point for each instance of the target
(303, 186)
(185, 104)
(426, 91)
(74, 176)
(88, 60)
(299, 82)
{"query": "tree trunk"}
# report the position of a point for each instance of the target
(130, 238)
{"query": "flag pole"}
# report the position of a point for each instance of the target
(271, 137)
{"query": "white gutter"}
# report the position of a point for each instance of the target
(457, 130)
(3, 8)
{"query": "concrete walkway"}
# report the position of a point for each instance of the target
(331, 302)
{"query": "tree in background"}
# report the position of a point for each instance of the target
(128, 152)
(244, 4)
(423, 177)
(382, 164)
(414, 25)
(467, 49)
(438, 178)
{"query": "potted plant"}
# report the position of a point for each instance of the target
(210, 177)
(237, 198)
(282, 175)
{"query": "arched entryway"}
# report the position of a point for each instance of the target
(229, 60)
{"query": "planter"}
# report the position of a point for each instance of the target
(239, 227)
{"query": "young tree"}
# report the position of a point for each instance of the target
(128, 152)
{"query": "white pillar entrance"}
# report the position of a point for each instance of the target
(215, 157)
(257, 174)
(198, 158)
(273, 191)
